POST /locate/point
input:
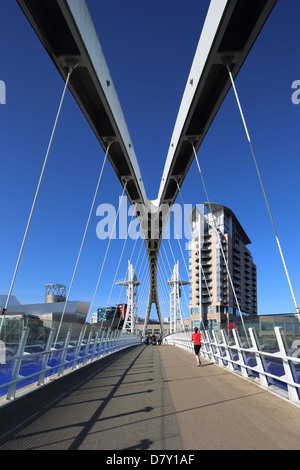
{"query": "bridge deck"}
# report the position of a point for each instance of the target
(152, 398)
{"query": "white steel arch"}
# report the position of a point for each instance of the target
(66, 30)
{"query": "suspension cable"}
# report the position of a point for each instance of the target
(168, 276)
(161, 280)
(182, 255)
(220, 244)
(38, 188)
(263, 189)
(180, 246)
(145, 252)
(116, 273)
(171, 251)
(133, 250)
(143, 297)
(104, 260)
(131, 256)
(202, 270)
(165, 269)
(83, 240)
(167, 258)
(143, 278)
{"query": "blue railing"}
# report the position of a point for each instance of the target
(266, 351)
(33, 354)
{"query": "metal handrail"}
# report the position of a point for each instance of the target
(211, 351)
(101, 344)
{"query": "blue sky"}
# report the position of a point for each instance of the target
(149, 48)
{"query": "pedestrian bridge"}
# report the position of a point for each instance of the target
(79, 387)
(150, 398)
(110, 392)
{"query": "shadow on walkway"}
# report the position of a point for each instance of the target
(118, 402)
(149, 398)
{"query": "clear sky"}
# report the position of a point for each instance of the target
(149, 48)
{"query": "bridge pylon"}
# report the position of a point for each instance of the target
(175, 293)
(130, 322)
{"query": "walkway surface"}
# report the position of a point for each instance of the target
(150, 398)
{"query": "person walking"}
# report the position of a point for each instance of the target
(196, 339)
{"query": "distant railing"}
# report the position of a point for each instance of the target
(31, 354)
(269, 357)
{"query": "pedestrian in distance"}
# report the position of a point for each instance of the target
(196, 339)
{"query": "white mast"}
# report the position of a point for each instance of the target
(175, 294)
(130, 322)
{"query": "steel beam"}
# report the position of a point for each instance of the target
(67, 32)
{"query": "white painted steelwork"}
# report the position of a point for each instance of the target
(47, 359)
(66, 30)
(175, 293)
(251, 363)
(130, 322)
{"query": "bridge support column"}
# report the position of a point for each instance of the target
(64, 353)
(227, 352)
(46, 357)
(292, 389)
(259, 360)
(240, 353)
(218, 356)
(20, 355)
(209, 353)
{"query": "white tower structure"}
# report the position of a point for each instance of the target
(175, 294)
(230, 30)
(130, 322)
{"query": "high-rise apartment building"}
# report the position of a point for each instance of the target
(221, 269)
